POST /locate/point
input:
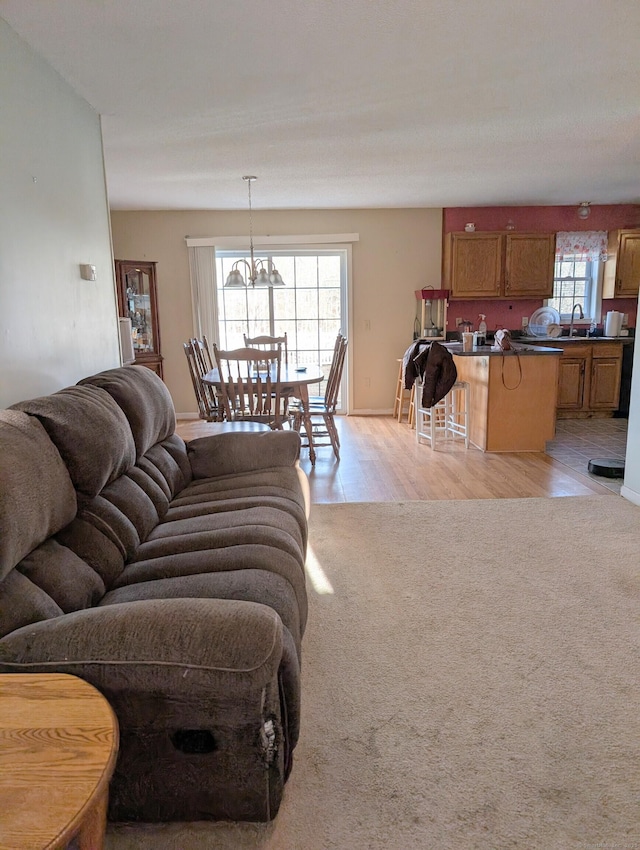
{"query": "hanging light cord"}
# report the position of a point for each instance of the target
(253, 265)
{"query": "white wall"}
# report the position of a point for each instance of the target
(631, 487)
(55, 328)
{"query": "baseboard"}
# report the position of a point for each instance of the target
(368, 412)
(630, 495)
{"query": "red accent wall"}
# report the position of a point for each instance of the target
(542, 219)
(508, 314)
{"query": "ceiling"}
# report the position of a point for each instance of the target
(353, 103)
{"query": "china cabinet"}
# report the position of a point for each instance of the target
(499, 265)
(622, 268)
(138, 301)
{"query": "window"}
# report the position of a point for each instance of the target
(575, 281)
(580, 257)
(310, 308)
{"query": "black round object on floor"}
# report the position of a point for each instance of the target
(607, 467)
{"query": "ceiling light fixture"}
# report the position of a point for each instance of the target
(257, 276)
(584, 209)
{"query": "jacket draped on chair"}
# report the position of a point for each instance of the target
(433, 364)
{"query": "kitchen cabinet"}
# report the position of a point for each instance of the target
(604, 390)
(473, 265)
(571, 379)
(588, 377)
(622, 268)
(138, 301)
(499, 265)
(512, 398)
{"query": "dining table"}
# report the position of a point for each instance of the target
(294, 380)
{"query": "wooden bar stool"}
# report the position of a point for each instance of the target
(402, 397)
(412, 407)
(447, 419)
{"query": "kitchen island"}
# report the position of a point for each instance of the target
(512, 405)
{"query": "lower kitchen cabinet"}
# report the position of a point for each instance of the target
(588, 378)
(604, 393)
(571, 374)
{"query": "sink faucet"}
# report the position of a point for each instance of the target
(573, 313)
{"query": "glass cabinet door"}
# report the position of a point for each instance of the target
(137, 300)
(138, 308)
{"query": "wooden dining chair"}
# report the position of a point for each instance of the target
(250, 388)
(203, 354)
(199, 361)
(265, 342)
(322, 408)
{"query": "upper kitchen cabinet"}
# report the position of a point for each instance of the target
(499, 265)
(528, 265)
(622, 269)
(138, 301)
(473, 265)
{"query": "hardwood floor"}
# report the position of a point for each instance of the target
(381, 461)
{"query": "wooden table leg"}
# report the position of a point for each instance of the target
(303, 395)
(91, 834)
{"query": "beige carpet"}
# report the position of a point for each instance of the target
(471, 680)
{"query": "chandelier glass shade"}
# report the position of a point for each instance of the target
(257, 273)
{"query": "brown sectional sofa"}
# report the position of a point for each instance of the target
(171, 577)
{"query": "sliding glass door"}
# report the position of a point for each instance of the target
(310, 308)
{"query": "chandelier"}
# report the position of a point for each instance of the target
(256, 276)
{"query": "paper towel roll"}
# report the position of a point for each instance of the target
(612, 323)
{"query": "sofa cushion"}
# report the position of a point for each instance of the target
(90, 431)
(278, 487)
(64, 576)
(162, 464)
(144, 399)
(37, 498)
(22, 603)
(93, 546)
(233, 452)
(261, 586)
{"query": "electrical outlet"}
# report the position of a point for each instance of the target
(458, 322)
(367, 382)
(525, 323)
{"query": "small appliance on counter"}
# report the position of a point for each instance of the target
(434, 312)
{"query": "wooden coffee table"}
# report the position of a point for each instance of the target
(58, 747)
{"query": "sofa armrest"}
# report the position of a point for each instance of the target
(236, 452)
(173, 646)
(206, 692)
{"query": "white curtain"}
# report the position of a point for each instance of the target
(202, 270)
(582, 244)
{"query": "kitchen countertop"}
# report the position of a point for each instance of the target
(488, 351)
(563, 339)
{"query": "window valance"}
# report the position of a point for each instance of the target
(582, 244)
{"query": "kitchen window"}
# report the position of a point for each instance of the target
(575, 281)
(577, 277)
